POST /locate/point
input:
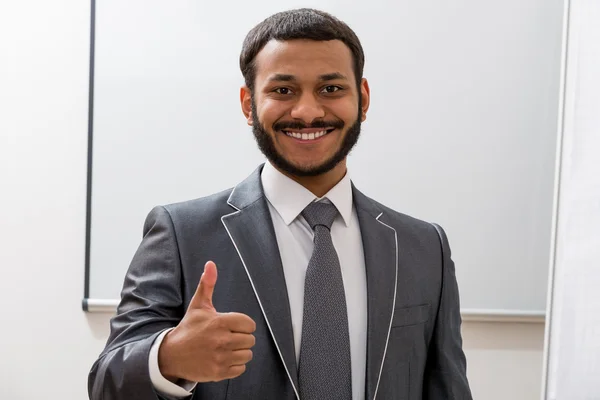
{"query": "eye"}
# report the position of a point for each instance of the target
(331, 89)
(283, 90)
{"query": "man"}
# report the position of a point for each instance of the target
(321, 292)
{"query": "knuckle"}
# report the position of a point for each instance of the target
(214, 370)
(223, 371)
(191, 315)
(217, 322)
(252, 325)
(220, 343)
(225, 342)
(219, 359)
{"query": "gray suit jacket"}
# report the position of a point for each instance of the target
(414, 345)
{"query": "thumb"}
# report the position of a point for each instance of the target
(203, 296)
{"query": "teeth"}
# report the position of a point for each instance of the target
(306, 136)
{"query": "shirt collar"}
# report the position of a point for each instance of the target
(290, 198)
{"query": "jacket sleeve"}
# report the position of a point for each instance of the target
(151, 301)
(446, 368)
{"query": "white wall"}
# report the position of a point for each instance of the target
(573, 345)
(45, 338)
(47, 344)
(504, 360)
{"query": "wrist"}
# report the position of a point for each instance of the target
(166, 364)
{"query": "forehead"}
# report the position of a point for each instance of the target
(304, 59)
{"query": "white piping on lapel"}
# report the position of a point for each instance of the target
(393, 305)
(255, 292)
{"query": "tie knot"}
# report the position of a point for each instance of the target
(320, 213)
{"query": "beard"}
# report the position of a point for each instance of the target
(266, 143)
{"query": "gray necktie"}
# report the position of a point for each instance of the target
(324, 370)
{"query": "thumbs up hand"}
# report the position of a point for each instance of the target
(207, 346)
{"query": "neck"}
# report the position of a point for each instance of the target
(321, 184)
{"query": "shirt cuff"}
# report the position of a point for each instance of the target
(182, 388)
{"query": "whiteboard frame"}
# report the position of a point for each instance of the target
(88, 217)
(470, 315)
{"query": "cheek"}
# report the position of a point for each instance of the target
(346, 110)
(270, 112)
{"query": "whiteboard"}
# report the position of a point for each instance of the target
(461, 130)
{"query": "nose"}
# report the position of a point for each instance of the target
(307, 108)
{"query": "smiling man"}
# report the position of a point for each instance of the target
(321, 292)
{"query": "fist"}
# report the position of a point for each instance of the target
(207, 346)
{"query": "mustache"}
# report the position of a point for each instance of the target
(291, 125)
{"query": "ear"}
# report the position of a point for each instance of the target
(366, 98)
(246, 102)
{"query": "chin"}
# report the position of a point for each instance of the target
(308, 169)
(306, 165)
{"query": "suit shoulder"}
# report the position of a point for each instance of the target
(411, 230)
(404, 219)
(214, 205)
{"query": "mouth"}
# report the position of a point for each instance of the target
(307, 135)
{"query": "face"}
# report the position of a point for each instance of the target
(305, 110)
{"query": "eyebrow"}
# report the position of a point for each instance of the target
(332, 77)
(291, 78)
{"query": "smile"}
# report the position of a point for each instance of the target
(308, 136)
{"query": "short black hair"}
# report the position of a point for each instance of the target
(303, 23)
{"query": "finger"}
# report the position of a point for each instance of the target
(241, 341)
(234, 371)
(240, 357)
(237, 322)
(204, 292)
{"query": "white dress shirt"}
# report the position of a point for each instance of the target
(286, 200)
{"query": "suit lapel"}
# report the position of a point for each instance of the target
(381, 261)
(250, 228)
